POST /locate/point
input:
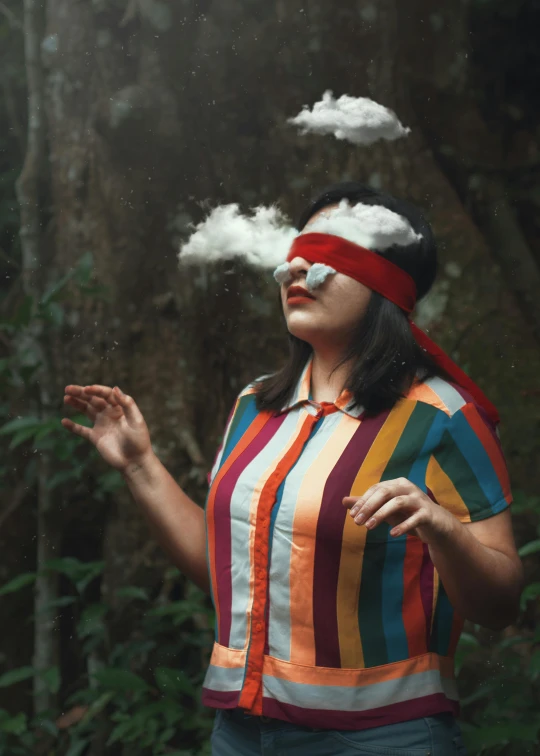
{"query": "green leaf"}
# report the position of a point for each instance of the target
(121, 731)
(21, 581)
(78, 747)
(16, 725)
(74, 473)
(533, 547)
(132, 591)
(20, 423)
(21, 436)
(96, 706)
(84, 269)
(52, 679)
(501, 734)
(173, 682)
(53, 314)
(15, 676)
(91, 622)
(55, 289)
(80, 573)
(531, 592)
(120, 680)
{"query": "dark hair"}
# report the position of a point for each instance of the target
(384, 354)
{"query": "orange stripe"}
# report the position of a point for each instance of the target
(302, 564)
(445, 491)
(250, 696)
(231, 658)
(491, 447)
(414, 618)
(254, 429)
(354, 536)
(352, 678)
(253, 514)
(422, 393)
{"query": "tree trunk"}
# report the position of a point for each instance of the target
(155, 107)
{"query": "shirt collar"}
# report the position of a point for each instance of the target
(302, 394)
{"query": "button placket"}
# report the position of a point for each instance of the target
(251, 695)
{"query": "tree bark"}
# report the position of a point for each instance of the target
(46, 638)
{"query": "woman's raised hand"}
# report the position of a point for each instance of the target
(119, 431)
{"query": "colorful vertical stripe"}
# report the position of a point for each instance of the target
(320, 620)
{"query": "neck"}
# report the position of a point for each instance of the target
(325, 385)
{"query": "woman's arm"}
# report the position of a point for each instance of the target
(480, 569)
(175, 520)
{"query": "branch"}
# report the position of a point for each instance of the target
(510, 248)
(11, 17)
(28, 182)
(11, 108)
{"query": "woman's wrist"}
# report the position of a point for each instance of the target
(141, 467)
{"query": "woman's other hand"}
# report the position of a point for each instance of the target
(403, 505)
(119, 431)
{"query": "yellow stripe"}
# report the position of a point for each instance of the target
(445, 492)
(354, 536)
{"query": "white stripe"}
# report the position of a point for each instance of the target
(447, 393)
(356, 698)
(279, 638)
(244, 502)
(223, 678)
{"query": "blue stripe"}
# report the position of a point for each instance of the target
(478, 459)
(392, 599)
(249, 413)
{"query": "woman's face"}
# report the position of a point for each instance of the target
(329, 317)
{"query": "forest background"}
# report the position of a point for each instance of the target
(121, 122)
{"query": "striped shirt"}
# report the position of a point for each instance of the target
(319, 621)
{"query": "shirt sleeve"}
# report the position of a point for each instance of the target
(467, 472)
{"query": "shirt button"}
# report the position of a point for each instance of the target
(258, 627)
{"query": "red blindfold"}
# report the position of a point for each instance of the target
(387, 279)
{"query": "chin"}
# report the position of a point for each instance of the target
(304, 331)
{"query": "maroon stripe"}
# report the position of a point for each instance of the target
(426, 706)
(426, 589)
(329, 541)
(220, 699)
(227, 424)
(222, 523)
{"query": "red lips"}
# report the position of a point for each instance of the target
(298, 291)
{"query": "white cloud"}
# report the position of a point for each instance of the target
(357, 119)
(370, 226)
(261, 239)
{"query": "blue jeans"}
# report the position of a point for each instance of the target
(239, 734)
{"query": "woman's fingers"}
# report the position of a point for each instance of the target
(79, 430)
(103, 392)
(81, 405)
(131, 411)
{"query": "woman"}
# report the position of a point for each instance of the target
(357, 514)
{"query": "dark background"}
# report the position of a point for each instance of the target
(119, 120)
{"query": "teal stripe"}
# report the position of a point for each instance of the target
(442, 623)
(245, 414)
(409, 461)
(370, 617)
(478, 460)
